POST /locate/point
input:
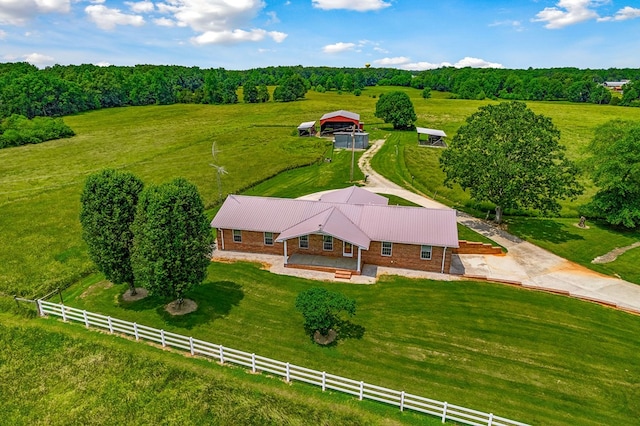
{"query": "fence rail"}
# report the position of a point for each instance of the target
(290, 372)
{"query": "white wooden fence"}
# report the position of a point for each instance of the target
(290, 372)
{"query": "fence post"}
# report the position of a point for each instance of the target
(110, 325)
(253, 363)
(490, 419)
(288, 377)
(64, 314)
(444, 412)
(60, 294)
(135, 330)
(191, 345)
(361, 390)
(324, 381)
(86, 320)
(164, 344)
(402, 401)
(39, 304)
(221, 355)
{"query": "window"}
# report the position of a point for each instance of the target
(386, 248)
(268, 238)
(327, 243)
(425, 252)
(237, 236)
(303, 241)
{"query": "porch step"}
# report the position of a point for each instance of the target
(342, 274)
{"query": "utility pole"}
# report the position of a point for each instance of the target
(353, 150)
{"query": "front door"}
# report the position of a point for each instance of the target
(347, 249)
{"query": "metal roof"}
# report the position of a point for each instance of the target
(354, 195)
(432, 132)
(306, 125)
(354, 223)
(341, 113)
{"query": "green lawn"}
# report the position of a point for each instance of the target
(531, 356)
(57, 374)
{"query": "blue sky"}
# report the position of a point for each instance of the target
(243, 34)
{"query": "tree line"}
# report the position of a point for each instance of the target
(61, 90)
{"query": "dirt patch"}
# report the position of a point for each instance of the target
(141, 293)
(577, 225)
(325, 340)
(613, 254)
(96, 288)
(187, 306)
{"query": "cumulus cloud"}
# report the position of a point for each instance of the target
(18, 12)
(219, 21)
(623, 14)
(108, 19)
(103, 64)
(357, 5)
(140, 7)
(568, 12)
(338, 47)
(164, 22)
(405, 63)
(237, 36)
(38, 59)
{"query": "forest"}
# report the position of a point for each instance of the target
(68, 89)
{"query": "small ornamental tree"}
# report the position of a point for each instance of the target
(396, 108)
(108, 207)
(614, 166)
(172, 239)
(321, 309)
(507, 155)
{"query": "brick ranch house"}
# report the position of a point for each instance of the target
(344, 229)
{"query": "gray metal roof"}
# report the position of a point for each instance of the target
(341, 113)
(432, 132)
(354, 195)
(616, 83)
(306, 125)
(354, 223)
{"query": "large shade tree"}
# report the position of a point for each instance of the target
(396, 108)
(508, 155)
(614, 166)
(172, 239)
(108, 208)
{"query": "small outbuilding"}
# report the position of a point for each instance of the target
(433, 137)
(359, 140)
(339, 121)
(307, 128)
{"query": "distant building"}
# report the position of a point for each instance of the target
(616, 86)
(433, 137)
(339, 121)
(359, 140)
(307, 129)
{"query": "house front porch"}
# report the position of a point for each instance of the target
(323, 263)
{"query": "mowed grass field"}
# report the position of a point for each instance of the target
(526, 355)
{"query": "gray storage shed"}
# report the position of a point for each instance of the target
(344, 140)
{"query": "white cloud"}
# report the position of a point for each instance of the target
(219, 21)
(338, 47)
(568, 12)
(237, 36)
(476, 63)
(623, 14)
(273, 18)
(3, 35)
(164, 22)
(38, 59)
(18, 12)
(380, 50)
(103, 64)
(385, 62)
(140, 7)
(358, 5)
(516, 25)
(108, 19)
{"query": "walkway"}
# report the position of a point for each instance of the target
(525, 264)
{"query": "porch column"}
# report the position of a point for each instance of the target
(285, 253)
(444, 256)
(221, 231)
(359, 258)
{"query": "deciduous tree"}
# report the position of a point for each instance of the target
(321, 308)
(396, 108)
(614, 166)
(108, 207)
(509, 156)
(172, 239)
